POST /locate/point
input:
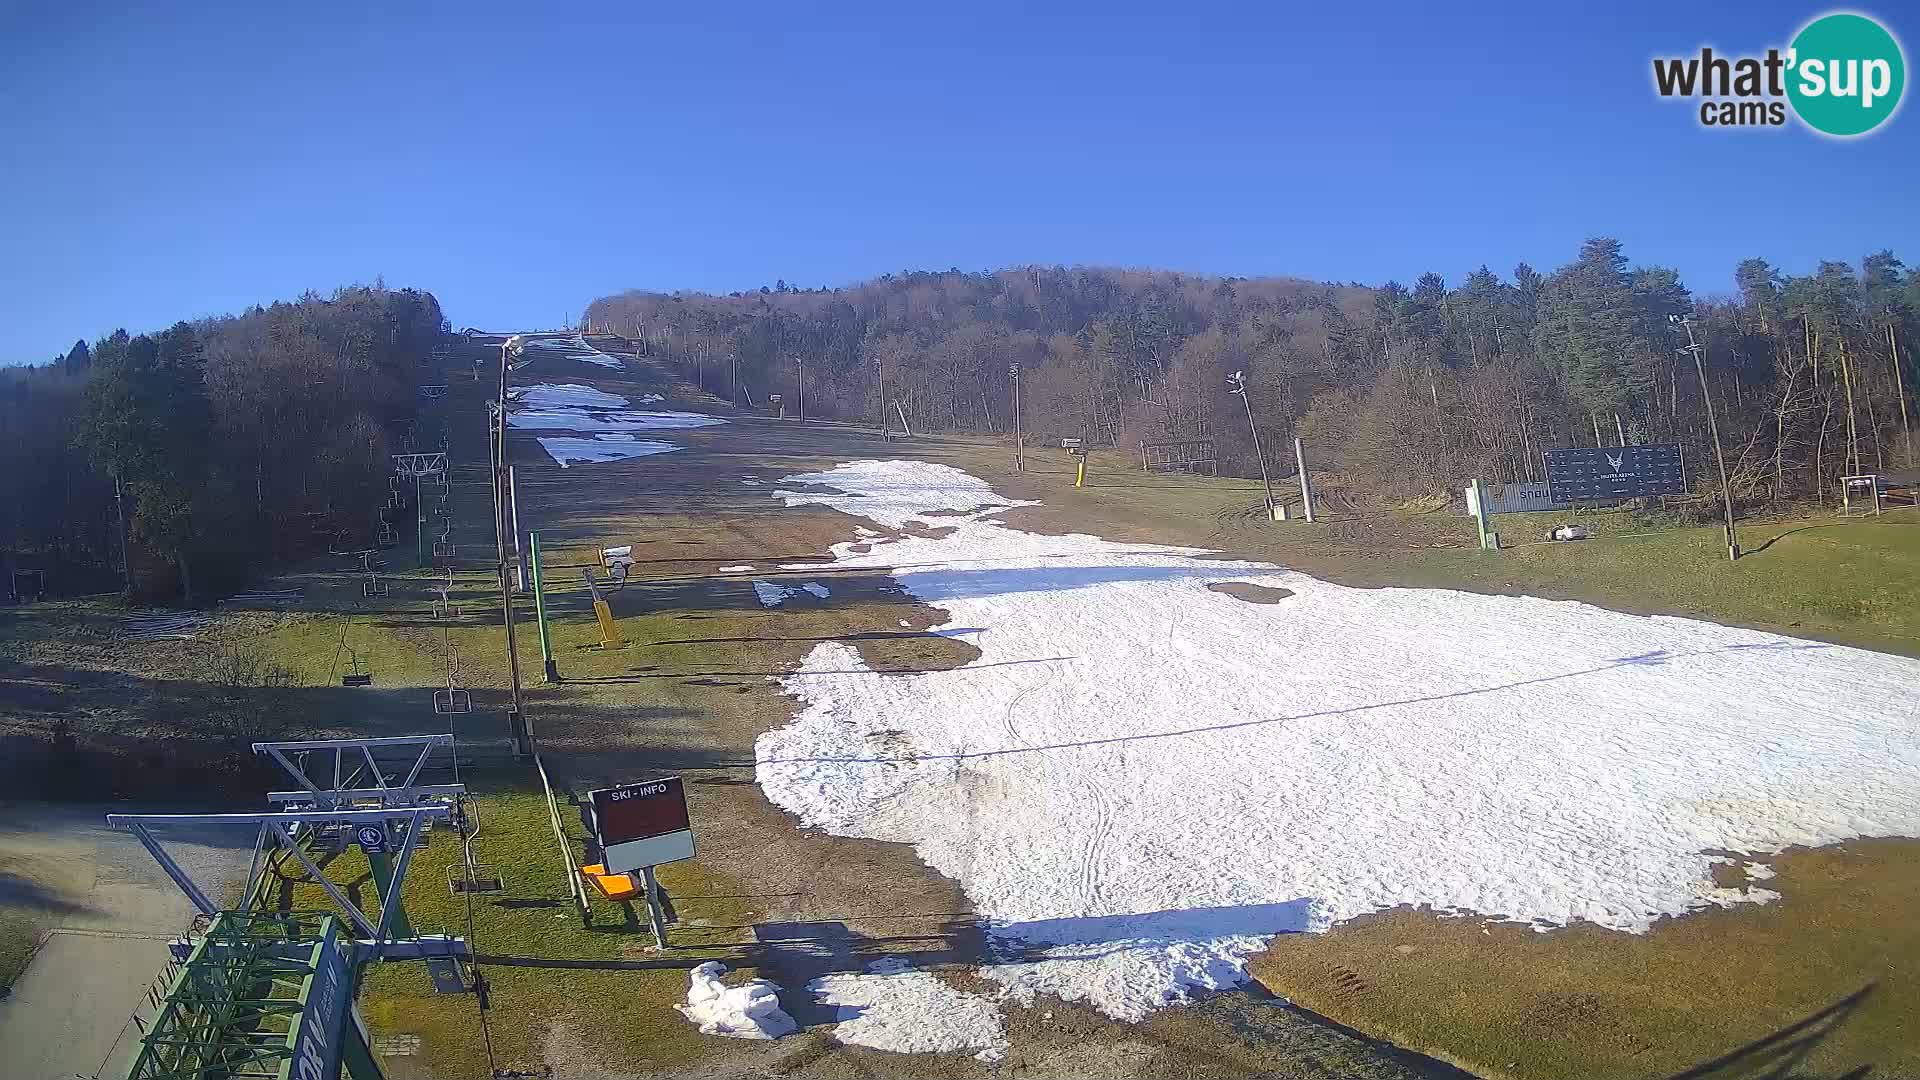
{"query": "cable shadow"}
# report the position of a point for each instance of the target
(1779, 1055)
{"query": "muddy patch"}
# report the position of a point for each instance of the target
(1251, 593)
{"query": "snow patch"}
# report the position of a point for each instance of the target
(891, 1007)
(748, 1011)
(584, 420)
(649, 399)
(566, 450)
(742, 569)
(1140, 781)
(566, 396)
(772, 594)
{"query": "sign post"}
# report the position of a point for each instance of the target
(638, 827)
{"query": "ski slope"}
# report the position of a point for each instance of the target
(1140, 781)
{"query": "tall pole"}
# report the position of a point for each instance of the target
(519, 557)
(516, 721)
(551, 669)
(1713, 426)
(1019, 442)
(800, 386)
(1238, 380)
(419, 521)
(880, 366)
(1306, 487)
(735, 357)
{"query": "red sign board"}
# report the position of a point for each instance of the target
(642, 824)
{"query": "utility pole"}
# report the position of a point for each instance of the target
(1713, 426)
(735, 358)
(880, 366)
(1019, 443)
(1238, 385)
(800, 385)
(1306, 486)
(516, 720)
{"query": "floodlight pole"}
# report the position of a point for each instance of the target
(1019, 442)
(1238, 382)
(1713, 426)
(516, 721)
(880, 366)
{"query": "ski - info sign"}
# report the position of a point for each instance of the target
(641, 825)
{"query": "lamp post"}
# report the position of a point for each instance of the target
(1713, 427)
(880, 371)
(1019, 442)
(1237, 383)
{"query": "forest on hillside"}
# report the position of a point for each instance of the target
(1401, 393)
(193, 455)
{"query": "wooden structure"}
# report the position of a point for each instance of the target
(1179, 455)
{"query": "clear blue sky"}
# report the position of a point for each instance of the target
(173, 160)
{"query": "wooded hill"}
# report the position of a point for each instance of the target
(225, 443)
(1402, 393)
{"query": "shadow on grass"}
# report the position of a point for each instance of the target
(1778, 1056)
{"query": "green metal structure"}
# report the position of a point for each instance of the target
(262, 996)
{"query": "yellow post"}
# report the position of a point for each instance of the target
(609, 630)
(1080, 473)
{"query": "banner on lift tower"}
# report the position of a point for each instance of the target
(323, 1020)
(640, 825)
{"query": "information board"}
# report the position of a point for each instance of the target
(642, 824)
(1589, 474)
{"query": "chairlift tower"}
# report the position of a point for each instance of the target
(266, 995)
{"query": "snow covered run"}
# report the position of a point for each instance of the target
(574, 348)
(891, 1007)
(744, 568)
(566, 396)
(749, 1011)
(566, 450)
(587, 420)
(1140, 780)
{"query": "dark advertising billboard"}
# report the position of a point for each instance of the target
(1587, 474)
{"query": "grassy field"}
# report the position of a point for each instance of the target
(695, 686)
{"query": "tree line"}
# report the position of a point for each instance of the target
(1402, 393)
(176, 463)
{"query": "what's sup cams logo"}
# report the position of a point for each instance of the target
(1843, 76)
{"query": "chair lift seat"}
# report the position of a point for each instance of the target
(611, 886)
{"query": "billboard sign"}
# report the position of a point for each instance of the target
(640, 825)
(323, 1020)
(1519, 499)
(1590, 474)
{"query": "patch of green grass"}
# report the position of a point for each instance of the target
(608, 981)
(19, 935)
(1583, 1003)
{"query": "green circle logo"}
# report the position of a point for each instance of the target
(1846, 74)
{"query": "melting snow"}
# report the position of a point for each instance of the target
(891, 1007)
(742, 569)
(566, 396)
(567, 450)
(1140, 781)
(582, 420)
(748, 1011)
(773, 594)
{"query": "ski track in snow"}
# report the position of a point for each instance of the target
(1176, 775)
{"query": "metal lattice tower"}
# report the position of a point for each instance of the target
(258, 993)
